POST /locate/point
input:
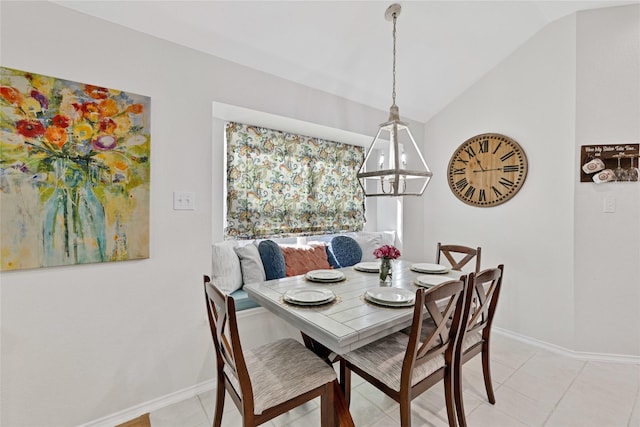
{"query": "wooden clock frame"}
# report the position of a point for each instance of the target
(487, 170)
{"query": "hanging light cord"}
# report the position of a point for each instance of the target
(393, 93)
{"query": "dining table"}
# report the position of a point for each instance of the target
(350, 320)
(350, 317)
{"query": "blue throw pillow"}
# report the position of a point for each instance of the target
(272, 260)
(346, 251)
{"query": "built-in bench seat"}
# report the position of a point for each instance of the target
(242, 300)
(235, 263)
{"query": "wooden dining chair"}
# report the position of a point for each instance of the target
(458, 256)
(269, 380)
(474, 339)
(403, 366)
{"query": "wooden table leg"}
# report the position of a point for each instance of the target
(342, 409)
(343, 416)
(323, 352)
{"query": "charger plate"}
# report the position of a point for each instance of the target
(390, 297)
(425, 267)
(309, 296)
(368, 267)
(429, 280)
(326, 276)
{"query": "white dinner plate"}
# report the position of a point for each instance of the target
(325, 275)
(425, 267)
(368, 267)
(428, 280)
(390, 296)
(309, 296)
(389, 304)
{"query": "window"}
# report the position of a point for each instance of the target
(284, 184)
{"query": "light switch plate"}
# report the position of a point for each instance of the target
(184, 200)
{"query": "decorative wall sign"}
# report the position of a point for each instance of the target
(74, 172)
(609, 163)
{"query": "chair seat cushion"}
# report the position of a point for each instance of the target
(282, 370)
(471, 339)
(383, 360)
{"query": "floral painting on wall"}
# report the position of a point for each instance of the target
(74, 172)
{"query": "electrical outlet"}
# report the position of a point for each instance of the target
(609, 204)
(184, 200)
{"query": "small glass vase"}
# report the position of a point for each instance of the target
(385, 271)
(73, 227)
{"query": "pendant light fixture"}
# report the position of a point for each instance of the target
(394, 165)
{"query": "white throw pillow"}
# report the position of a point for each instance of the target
(250, 264)
(226, 273)
(389, 237)
(369, 242)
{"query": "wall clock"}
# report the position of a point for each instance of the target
(487, 170)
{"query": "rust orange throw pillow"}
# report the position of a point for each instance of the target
(301, 260)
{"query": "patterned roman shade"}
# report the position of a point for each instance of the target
(281, 184)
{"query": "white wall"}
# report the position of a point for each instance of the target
(571, 272)
(607, 245)
(530, 97)
(83, 342)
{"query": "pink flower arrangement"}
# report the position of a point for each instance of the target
(387, 251)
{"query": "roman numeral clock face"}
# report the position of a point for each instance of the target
(487, 170)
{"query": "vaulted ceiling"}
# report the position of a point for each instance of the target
(345, 47)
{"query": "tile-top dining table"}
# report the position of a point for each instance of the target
(350, 321)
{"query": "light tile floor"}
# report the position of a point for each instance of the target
(533, 386)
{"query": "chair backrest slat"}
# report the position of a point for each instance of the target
(446, 305)
(485, 292)
(452, 253)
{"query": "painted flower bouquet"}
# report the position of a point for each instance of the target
(87, 127)
(386, 253)
(85, 150)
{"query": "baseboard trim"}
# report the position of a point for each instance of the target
(151, 405)
(596, 357)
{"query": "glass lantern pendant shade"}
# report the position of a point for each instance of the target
(394, 165)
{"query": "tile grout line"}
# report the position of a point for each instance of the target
(636, 404)
(521, 366)
(564, 394)
(503, 384)
(206, 414)
(533, 355)
(513, 390)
